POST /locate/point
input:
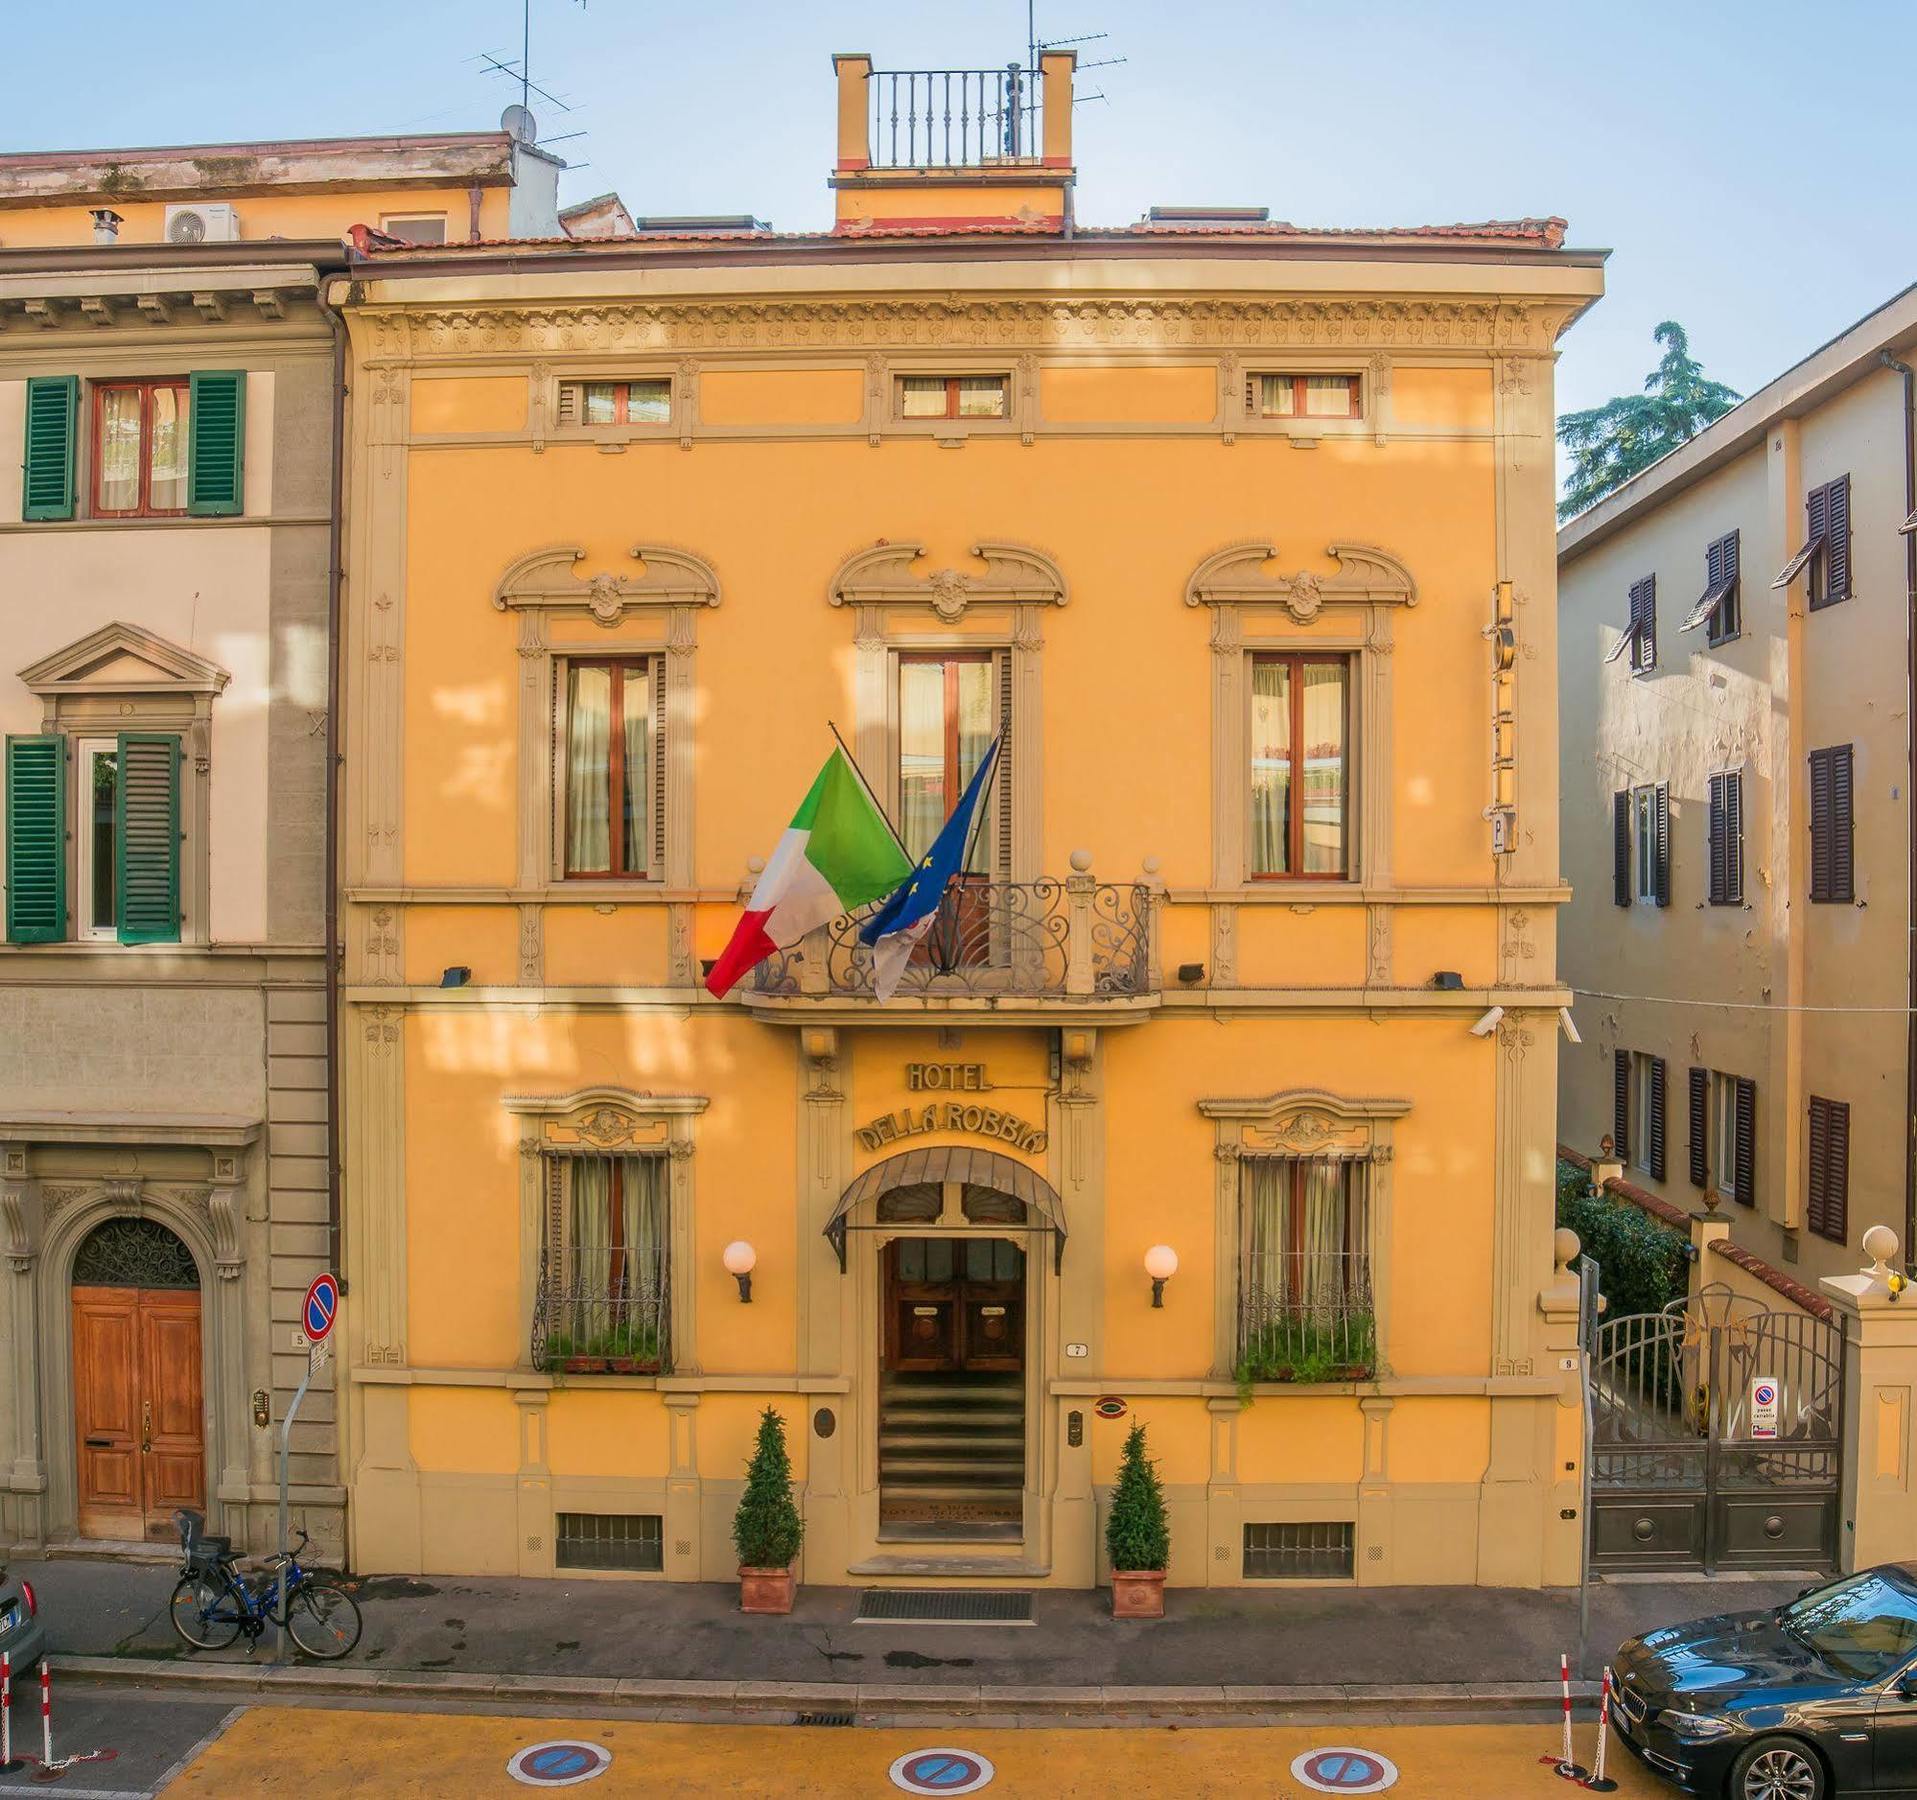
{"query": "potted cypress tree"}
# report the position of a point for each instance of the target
(1138, 1535)
(767, 1528)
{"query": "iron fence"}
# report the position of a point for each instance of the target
(602, 1309)
(1016, 939)
(1306, 1316)
(953, 118)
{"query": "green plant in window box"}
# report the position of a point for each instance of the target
(1306, 1347)
(626, 1348)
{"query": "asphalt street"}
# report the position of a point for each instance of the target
(152, 1735)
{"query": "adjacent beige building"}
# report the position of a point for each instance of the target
(1737, 657)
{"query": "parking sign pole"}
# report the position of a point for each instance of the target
(1587, 1348)
(318, 1311)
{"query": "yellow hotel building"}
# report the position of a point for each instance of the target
(1242, 535)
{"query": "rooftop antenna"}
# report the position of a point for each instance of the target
(521, 115)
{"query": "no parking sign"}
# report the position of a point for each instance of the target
(1343, 1769)
(1764, 1407)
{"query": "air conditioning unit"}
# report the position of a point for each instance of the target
(207, 222)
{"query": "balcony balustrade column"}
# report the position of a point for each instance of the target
(1079, 887)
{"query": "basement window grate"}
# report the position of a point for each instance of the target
(1320, 1550)
(943, 1606)
(821, 1718)
(610, 1541)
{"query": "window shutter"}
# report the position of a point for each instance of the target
(1700, 1123)
(1662, 873)
(53, 411)
(216, 442)
(1837, 1172)
(1644, 624)
(1744, 1136)
(1621, 1105)
(1833, 836)
(657, 671)
(1734, 838)
(569, 403)
(1655, 1125)
(1717, 835)
(1837, 540)
(146, 838)
(1621, 847)
(1819, 1156)
(1253, 395)
(1002, 781)
(36, 840)
(1817, 510)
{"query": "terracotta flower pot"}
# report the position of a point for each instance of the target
(1138, 1593)
(766, 1590)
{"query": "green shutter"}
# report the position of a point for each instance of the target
(36, 840)
(146, 838)
(53, 410)
(216, 442)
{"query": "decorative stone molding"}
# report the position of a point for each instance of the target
(121, 660)
(1300, 1122)
(883, 576)
(429, 331)
(19, 1239)
(611, 1121)
(1366, 577)
(545, 579)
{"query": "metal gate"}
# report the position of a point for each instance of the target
(1683, 1475)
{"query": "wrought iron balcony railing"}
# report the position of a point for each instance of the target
(1071, 939)
(602, 1311)
(1320, 1328)
(954, 118)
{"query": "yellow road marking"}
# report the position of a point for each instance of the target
(431, 1756)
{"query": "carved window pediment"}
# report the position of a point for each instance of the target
(889, 575)
(605, 1120)
(121, 660)
(1304, 1122)
(548, 580)
(1241, 575)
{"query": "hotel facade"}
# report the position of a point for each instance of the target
(1241, 537)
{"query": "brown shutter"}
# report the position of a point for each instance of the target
(1700, 1125)
(1621, 1105)
(1734, 838)
(1661, 849)
(1644, 624)
(1002, 780)
(1655, 1125)
(1837, 540)
(1621, 847)
(1744, 1134)
(1842, 827)
(1717, 838)
(1823, 880)
(1837, 1172)
(1817, 512)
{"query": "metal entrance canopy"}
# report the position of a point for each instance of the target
(951, 1162)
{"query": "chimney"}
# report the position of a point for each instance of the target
(106, 225)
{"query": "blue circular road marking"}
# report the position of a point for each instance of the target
(1341, 1769)
(561, 1763)
(941, 1771)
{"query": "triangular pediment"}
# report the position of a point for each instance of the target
(124, 659)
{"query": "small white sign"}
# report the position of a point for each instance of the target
(1764, 1406)
(316, 1355)
(1078, 1349)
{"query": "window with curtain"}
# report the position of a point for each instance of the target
(610, 761)
(954, 396)
(1300, 766)
(1304, 1274)
(1303, 396)
(948, 716)
(606, 1285)
(139, 448)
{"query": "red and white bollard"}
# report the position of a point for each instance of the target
(7, 1764)
(1565, 1762)
(1597, 1781)
(46, 1714)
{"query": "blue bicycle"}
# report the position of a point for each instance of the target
(214, 1601)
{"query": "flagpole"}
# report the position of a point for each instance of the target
(978, 818)
(871, 794)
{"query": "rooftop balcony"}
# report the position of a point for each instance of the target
(953, 118)
(1048, 945)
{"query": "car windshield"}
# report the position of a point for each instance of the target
(1864, 1626)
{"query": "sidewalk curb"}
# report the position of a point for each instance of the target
(957, 1700)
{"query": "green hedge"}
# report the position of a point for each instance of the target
(1641, 1263)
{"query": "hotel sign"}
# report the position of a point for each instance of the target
(952, 1115)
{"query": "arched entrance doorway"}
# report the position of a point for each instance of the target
(959, 1233)
(139, 1419)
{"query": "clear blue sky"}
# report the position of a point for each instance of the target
(1750, 183)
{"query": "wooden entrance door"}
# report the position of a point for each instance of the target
(954, 1304)
(138, 1412)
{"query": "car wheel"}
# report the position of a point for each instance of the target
(1778, 1768)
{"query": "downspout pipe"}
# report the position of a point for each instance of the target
(1910, 807)
(335, 538)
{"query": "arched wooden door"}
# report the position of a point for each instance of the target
(137, 1398)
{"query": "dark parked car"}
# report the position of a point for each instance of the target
(22, 1636)
(1804, 1701)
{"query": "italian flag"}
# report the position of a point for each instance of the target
(837, 853)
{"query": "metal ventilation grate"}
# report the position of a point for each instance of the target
(609, 1541)
(1315, 1551)
(822, 1718)
(943, 1606)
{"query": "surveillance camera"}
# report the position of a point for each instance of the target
(1570, 1028)
(1489, 1023)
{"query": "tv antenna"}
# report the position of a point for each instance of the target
(1034, 44)
(518, 119)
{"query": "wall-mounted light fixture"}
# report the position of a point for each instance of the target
(1161, 1264)
(740, 1260)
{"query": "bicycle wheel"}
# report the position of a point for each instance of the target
(323, 1618)
(206, 1611)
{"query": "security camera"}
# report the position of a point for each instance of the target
(1570, 1029)
(1489, 1023)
